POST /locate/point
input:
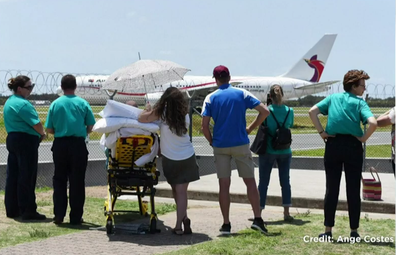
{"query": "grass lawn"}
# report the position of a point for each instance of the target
(13, 232)
(289, 239)
(302, 124)
(380, 151)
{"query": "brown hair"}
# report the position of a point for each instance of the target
(224, 80)
(276, 93)
(172, 107)
(68, 82)
(18, 81)
(352, 78)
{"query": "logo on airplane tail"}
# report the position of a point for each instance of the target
(317, 65)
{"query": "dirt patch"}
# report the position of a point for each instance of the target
(96, 191)
(47, 195)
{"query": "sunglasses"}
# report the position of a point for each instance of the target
(29, 87)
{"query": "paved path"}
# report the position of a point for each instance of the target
(206, 220)
(205, 224)
(304, 184)
(308, 190)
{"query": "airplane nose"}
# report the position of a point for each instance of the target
(59, 91)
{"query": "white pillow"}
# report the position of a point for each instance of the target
(107, 125)
(117, 109)
(130, 131)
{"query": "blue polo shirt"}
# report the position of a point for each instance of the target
(20, 115)
(345, 112)
(69, 115)
(227, 106)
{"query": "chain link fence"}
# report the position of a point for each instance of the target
(307, 146)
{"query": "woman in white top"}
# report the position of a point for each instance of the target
(178, 157)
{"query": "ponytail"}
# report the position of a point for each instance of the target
(11, 83)
(276, 93)
(18, 81)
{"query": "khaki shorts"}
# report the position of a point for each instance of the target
(243, 159)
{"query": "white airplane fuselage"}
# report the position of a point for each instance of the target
(258, 86)
(301, 80)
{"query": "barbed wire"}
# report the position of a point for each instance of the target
(48, 83)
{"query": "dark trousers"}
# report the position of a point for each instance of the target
(343, 151)
(21, 173)
(70, 156)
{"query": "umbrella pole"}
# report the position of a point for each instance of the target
(145, 90)
(111, 96)
(190, 112)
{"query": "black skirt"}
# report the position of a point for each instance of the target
(180, 171)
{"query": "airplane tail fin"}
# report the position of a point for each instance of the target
(310, 67)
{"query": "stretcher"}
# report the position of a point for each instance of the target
(126, 178)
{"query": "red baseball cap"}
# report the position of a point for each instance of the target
(220, 72)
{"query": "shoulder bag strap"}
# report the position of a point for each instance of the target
(273, 115)
(287, 115)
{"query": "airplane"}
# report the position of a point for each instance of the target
(301, 80)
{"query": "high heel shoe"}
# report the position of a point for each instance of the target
(187, 226)
(177, 231)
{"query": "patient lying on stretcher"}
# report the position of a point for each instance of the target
(120, 120)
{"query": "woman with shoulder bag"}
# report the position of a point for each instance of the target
(284, 119)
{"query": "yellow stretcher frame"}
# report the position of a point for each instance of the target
(124, 177)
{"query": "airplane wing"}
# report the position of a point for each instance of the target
(315, 85)
(235, 83)
(202, 91)
(199, 93)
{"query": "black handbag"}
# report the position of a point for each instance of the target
(259, 145)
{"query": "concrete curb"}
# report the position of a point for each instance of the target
(366, 206)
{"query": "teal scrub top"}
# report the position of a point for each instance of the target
(344, 113)
(280, 112)
(20, 115)
(69, 115)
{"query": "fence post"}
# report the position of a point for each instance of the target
(364, 144)
(190, 112)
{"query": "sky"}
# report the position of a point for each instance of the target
(251, 37)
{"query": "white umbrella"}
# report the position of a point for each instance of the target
(144, 75)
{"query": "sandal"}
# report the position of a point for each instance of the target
(187, 226)
(177, 231)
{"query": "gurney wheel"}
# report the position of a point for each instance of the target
(153, 226)
(109, 227)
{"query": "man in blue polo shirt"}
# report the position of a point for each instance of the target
(227, 106)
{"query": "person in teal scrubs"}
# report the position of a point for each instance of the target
(284, 115)
(344, 137)
(70, 119)
(25, 132)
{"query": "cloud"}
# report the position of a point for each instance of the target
(165, 52)
(130, 14)
(143, 19)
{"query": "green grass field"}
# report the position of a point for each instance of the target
(373, 151)
(294, 239)
(302, 125)
(14, 232)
